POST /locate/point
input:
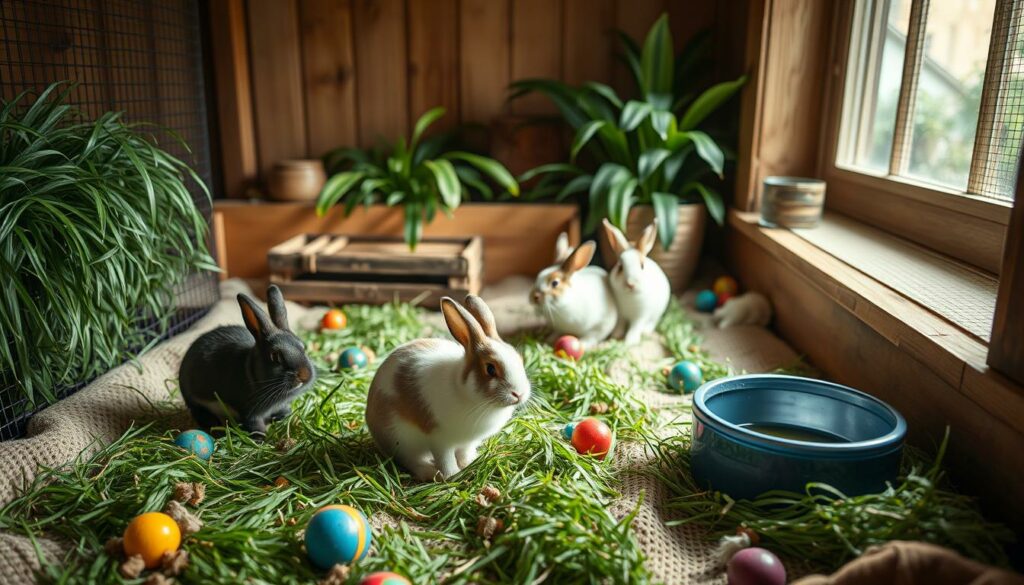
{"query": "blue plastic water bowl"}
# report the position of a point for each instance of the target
(763, 432)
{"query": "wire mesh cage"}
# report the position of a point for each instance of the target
(139, 57)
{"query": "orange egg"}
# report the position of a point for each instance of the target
(334, 319)
(151, 535)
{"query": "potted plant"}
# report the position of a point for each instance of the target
(98, 228)
(420, 175)
(648, 157)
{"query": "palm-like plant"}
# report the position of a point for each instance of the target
(419, 175)
(97, 227)
(648, 151)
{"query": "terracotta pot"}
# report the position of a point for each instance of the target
(296, 180)
(680, 260)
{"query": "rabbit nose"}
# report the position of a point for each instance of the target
(631, 284)
(304, 374)
(516, 396)
(536, 297)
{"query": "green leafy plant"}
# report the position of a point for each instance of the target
(97, 227)
(646, 151)
(419, 175)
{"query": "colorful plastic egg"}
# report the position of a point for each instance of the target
(353, 358)
(592, 437)
(755, 566)
(724, 298)
(567, 431)
(568, 347)
(334, 319)
(706, 301)
(196, 442)
(685, 377)
(337, 535)
(151, 535)
(384, 578)
(725, 285)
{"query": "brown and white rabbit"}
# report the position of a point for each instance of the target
(433, 401)
(574, 297)
(251, 373)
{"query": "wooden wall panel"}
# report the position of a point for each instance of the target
(234, 95)
(588, 41)
(329, 74)
(277, 81)
(484, 58)
(382, 65)
(434, 60)
(536, 49)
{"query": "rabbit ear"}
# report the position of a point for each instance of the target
(255, 319)
(463, 326)
(579, 258)
(278, 312)
(646, 242)
(562, 248)
(482, 313)
(615, 238)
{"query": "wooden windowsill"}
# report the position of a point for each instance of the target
(954, 355)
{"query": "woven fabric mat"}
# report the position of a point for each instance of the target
(99, 413)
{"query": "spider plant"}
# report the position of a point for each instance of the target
(97, 226)
(419, 174)
(645, 151)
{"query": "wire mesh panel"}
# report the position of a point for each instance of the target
(137, 56)
(1001, 124)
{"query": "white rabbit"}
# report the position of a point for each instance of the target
(641, 289)
(574, 297)
(747, 309)
(433, 401)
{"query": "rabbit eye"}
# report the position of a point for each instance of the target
(491, 370)
(554, 283)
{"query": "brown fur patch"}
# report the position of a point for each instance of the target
(411, 406)
(563, 283)
(494, 387)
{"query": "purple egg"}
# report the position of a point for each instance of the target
(756, 566)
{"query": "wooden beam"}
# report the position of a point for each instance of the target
(1006, 350)
(234, 95)
(913, 57)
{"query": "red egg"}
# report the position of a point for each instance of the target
(592, 437)
(384, 578)
(724, 297)
(756, 566)
(568, 347)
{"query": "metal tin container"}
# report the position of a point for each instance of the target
(763, 432)
(792, 202)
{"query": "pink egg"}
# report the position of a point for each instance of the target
(756, 566)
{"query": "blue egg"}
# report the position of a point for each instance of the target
(337, 535)
(706, 301)
(353, 358)
(685, 377)
(567, 431)
(196, 442)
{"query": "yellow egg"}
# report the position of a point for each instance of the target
(151, 535)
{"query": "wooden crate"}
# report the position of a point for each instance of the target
(376, 269)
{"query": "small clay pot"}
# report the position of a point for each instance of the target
(296, 180)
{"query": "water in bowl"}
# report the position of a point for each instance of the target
(794, 433)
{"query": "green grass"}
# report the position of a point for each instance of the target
(554, 502)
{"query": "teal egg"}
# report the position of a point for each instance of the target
(353, 358)
(567, 431)
(706, 301)
(685, 377)
(337, 535)
(196, 442)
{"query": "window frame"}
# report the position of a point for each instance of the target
(968, 227)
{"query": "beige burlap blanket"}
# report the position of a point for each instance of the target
(102, 411)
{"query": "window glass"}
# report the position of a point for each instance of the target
(945, 114)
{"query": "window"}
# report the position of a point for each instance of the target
(934, 94)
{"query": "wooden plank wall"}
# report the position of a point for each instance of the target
(329, 73)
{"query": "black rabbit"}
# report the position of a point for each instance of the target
(250, 374)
